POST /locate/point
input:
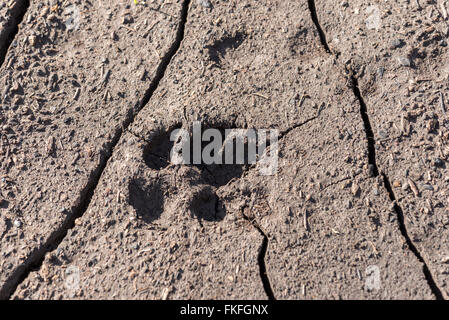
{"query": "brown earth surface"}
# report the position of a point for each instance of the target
(402, 69)
(66, 96)
(92, 90)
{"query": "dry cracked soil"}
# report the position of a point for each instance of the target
(92, 208)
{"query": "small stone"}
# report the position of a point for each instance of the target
(427, 187)
(397, 184)
(32, 40)
(383, 134)
(127, 20)
(205, 3)
(292, 102)
(131, 141)
(404, 61)
(355, 189)
(17, 223)
(445, 259)
(396, 43)
(437, 162)
(374, 20)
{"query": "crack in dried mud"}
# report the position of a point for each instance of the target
(368, 129)
(282, 134)
(261, 259)
(314, 17)
(8, 35)
(340, 181)
(387, 185)
(36, 258)
(371, 143)
(427, 273)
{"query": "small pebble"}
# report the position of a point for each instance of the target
(404, 61)
(127, 20)
(396, 43)
(355, 189)
(427, 187)
(205, 3)
(374, 19)
(32, 40)
(17, 223)
(383, 134)
(438, 163)
(397, 184)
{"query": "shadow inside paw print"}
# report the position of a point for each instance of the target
(146, 199)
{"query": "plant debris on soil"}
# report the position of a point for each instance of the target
(91, 91)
